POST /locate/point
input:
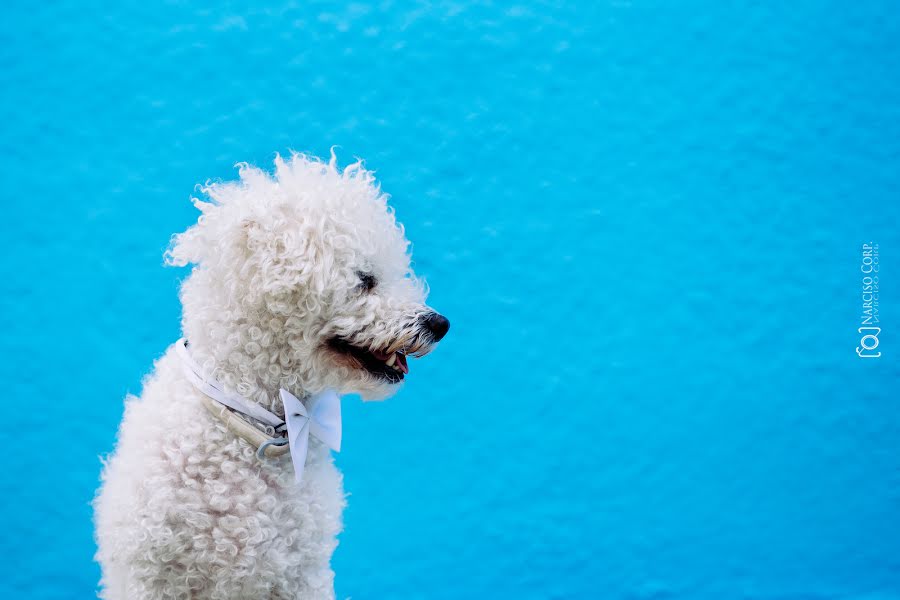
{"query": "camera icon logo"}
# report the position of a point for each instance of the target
(868, 344)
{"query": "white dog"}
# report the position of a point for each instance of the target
(302, 283)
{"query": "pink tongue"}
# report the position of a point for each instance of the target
(401, 362)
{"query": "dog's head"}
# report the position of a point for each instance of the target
(303, 281)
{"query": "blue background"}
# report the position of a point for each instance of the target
(644, 220)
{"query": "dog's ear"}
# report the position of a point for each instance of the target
(227, 222)
(216, 236)
(188, 247)
(251, 236)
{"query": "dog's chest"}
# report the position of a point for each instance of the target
(258, 519)
(265, 488)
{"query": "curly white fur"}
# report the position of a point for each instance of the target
(186, 510)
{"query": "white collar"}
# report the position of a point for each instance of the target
(321, 418)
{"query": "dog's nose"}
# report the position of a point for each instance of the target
(436, 324)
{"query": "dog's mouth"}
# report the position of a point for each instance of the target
(388, 366)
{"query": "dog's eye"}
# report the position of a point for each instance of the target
(367, 281)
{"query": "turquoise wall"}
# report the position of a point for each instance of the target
(644, 220)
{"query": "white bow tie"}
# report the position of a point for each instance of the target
(321, 419)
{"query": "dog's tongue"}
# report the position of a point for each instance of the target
(401, 362)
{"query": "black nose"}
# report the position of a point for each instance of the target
(436, 324)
